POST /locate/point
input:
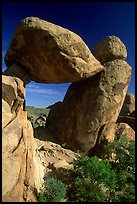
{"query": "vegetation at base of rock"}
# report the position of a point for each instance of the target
(106, 180)
(111, 179)
(55, 190)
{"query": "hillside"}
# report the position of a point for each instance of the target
(36, 112)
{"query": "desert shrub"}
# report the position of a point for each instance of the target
(123, 163)
(93, 179)
(54, 190)
(104, 180)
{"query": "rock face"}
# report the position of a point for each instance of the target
(109, 132)
(110, 48)
(21, 169)
(128, 105)
(50, 53)
(127, 113)
(82, 115)
(85, 120)
(17, 71)
(56, 159)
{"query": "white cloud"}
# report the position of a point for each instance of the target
(3, 53)
(29, 86)
(45, 92)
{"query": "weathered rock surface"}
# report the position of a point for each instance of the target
(81, 116)
(109, 132)
(50, 53)
(55, 159)
(125, 129)
(17, 71)
(21, 168)
(128, 105)
(127, 113)
(110, 48)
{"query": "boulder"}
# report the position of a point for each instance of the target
(127, 113)
(50, 53)
(127, 119)
(80, 118)
(22, 171)
(125, 129)
(110, 48)
(110, 132)
(128, 105)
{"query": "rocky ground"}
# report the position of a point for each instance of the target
(55, 158)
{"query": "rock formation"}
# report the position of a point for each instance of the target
(21, 169)
(50, 53)
(85, 120)
(98, 101)
(109, 132)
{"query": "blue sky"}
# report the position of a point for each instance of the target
(92, 21)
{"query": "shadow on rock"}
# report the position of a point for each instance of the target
(45, 134)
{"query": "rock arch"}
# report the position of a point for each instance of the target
(47, 53)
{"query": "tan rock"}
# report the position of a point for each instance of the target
(127, 113)
(110, 48)
(13, 93)
(109, 132)
(98, 101)
(125, 129)
(11, 135)
(128, 105)
(9, 89)
(61, 164)
(17, 71)
(127, 119)
(7, 116)
(21, 168)
(50, 53)
(10, 174)
(106, 135)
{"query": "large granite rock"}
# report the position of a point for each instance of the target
(79, 120)
(50, 53)
(110, 48)
(22, 171)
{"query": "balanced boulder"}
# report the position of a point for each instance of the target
(50, 53)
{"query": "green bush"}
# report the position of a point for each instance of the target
(124, 165)
(94, 179)
(55, 190)
(98, 180)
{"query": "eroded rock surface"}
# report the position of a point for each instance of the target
(50, 53)
(82, 114)
(110, 132)
(110, 48)
(127, 113)
(21, 168)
